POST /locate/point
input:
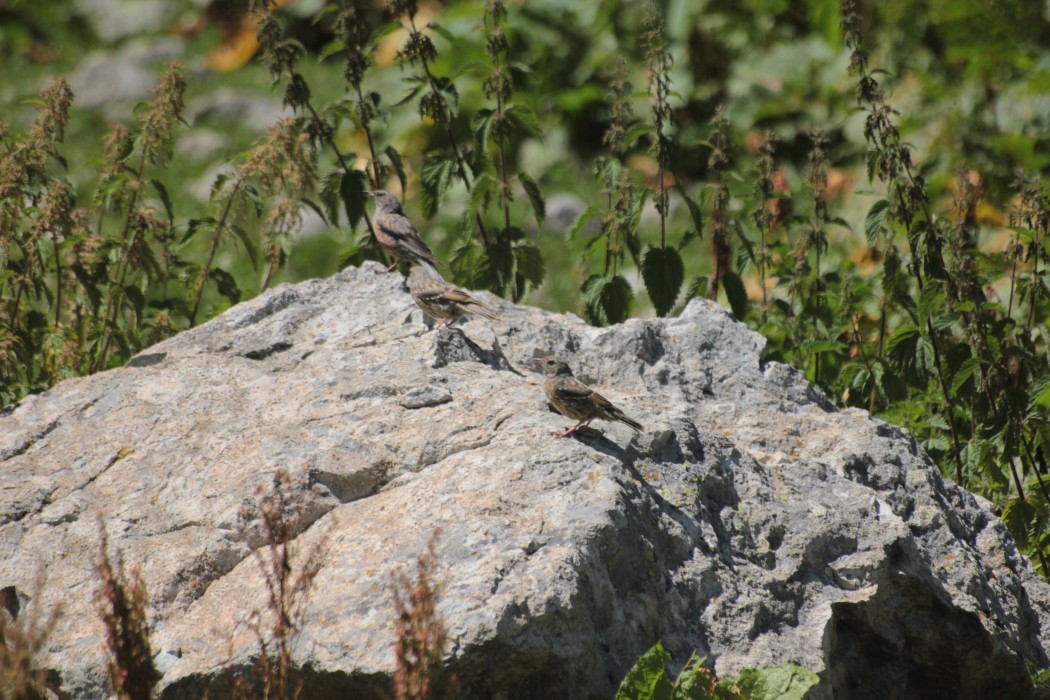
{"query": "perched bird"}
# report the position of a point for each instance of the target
(576, 400)
(441, 300)
(396, 234)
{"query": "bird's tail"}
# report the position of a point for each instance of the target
(478, 310)
(622, 417)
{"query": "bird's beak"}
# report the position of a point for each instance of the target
(371, 194)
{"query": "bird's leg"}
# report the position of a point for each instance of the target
(396, 263)
(573, 429)
(444, 322)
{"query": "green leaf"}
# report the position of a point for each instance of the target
(582, 220)
(500, 275)
(965, 371)
(787, 682)
(931, 302)
(218, 186)
(246, 241)
(634, 133)
(383, 32)
(539, 207)
(529, 268)
(749, 248)
(481, 195)
(141, 256)
(165, 198)
(663, 274)
(607, 300)
(874, 220)
(736, 294)
(608, 171)
(481, 125)
(520, 67)
(317, 209)
(438, 169)
(226, 284)
(399, 166)
(839, 221)
(694, 682)
(251, 193)
(361, 250)
(1018, 516)
(329, 193)
(524, 119)
(1041, 395)
(330, 49)
(818, 347)
(352, 188)
(861, 377)
(442, 32)
(905, 334)
(694, 213)
(138, 302)
(647, 679)
(470, 266)
(351, 256)
(109, 186)
(411, 94)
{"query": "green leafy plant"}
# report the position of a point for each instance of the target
(122, 191)
(662, 268)
(607, 295)
(785, 682)
(648, 680)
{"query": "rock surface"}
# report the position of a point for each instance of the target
(749, 521)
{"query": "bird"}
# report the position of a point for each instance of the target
(441, 300)
(396, 234)
(576, 400)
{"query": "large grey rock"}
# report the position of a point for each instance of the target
(255, 112)
(750, 521)
(117, 19)
(116, 80)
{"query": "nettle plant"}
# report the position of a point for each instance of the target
(930, 329)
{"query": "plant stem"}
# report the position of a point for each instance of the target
(118, 292)
(217, 235)
(58, 280)
(956, 449)
(371, 149)
(505, 193)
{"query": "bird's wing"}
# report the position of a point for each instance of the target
(427, 294)
(600, 400)
(404, 234)
(396, 226)
(574, 390)
(431, 290)
(458, 296)
(452, 295)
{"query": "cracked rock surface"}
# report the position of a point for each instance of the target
(750, 521)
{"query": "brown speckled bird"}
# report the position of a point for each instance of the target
(576, 400)
(396, 234)
(441, 300)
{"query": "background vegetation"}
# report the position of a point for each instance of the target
(858, 181)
